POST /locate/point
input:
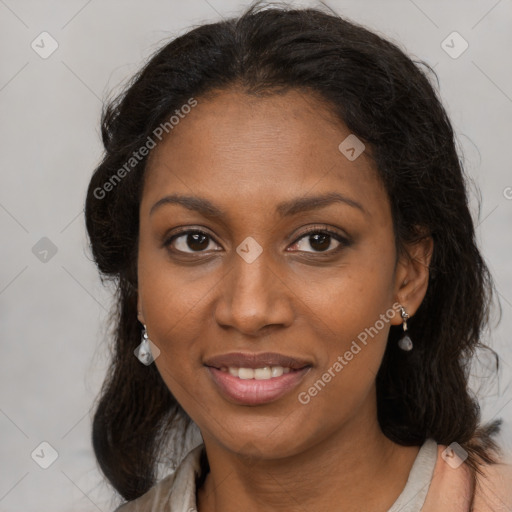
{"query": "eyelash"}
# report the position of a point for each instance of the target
(344, 241)
(325, 231)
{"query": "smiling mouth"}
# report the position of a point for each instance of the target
(263, 373)
(253, 386)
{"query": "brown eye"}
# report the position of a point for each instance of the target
(190, 241)
(321, 241)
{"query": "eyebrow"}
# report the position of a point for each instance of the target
(284, 209)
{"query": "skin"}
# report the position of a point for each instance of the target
(246, 154)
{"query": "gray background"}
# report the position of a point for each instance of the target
(53, 307)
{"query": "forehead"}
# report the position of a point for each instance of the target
(239, 149)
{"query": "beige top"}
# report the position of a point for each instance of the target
(433, 486)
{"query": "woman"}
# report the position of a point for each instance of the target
(283, 210)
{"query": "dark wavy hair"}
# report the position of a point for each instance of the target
(387, 100)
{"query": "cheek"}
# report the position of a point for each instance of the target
(351, 298)
(354, 306)
(340, 387)
(170, 293)
(175, 317)
(174, 305)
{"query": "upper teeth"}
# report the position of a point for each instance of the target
(267, 372)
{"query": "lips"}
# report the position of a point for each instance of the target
(253, 360)
(254, 392)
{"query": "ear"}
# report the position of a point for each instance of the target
(412, 273)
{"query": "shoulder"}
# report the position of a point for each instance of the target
(494, 488)
(176, 491)
(451, 486)
(154, 499)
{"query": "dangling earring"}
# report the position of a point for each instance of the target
(143, 351)
(405, 342)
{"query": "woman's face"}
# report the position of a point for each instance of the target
(258, 282)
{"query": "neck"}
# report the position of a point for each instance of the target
(356, 468)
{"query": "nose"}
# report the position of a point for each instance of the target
(254, 296)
